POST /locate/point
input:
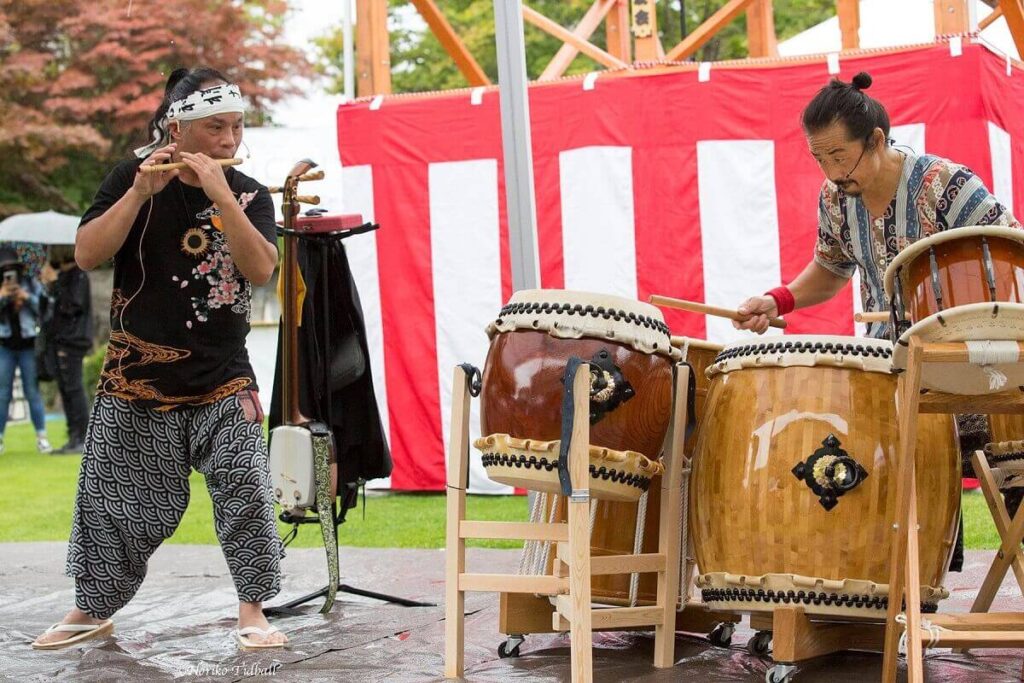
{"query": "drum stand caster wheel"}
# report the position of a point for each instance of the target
(780, 673)
(761, 644)
(722, 635)
(510, 648)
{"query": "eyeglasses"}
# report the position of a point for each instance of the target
(864, 148)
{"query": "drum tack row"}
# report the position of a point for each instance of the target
(784, 490)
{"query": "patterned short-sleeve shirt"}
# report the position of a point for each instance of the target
(933, 194)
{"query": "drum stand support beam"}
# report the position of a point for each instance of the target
(796, 637)
(946, 630)
(568, 587)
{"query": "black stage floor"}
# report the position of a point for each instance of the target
(179, 628)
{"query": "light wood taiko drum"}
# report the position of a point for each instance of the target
(793, 491)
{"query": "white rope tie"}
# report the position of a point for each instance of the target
(638, 545)
(527, 561)
(988, 354)
(684, 540)
(542, 566)
(934, 632)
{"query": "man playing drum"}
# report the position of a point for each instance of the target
(875, 201)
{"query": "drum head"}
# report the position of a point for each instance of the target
(973, 322)
(806, 350)
(922, 245)
(533, 465)
(569, 314)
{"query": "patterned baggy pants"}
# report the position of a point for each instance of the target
(133, 489)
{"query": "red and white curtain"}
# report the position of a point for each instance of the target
(697, 185)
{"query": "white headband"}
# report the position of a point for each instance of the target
(220, 99)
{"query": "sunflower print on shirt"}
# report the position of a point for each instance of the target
(216, 270)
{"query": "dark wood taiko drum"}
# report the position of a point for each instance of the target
(962, 285)
(631, 356)
(616, 525)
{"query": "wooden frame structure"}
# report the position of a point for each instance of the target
(568, 587)
(975, 630)
(631, 34)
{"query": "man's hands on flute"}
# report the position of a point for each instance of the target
(148, 184)
(211, 177)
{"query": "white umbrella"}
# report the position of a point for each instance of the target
(47, 227)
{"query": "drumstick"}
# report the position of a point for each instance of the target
(695, 307)
(874, 317)
(181, 164)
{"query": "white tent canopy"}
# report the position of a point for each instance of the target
(889, 23)
(48, 227)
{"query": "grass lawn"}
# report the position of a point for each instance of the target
(39, 492)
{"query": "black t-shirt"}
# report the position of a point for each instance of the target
(179, 313)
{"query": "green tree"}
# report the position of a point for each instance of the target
(419, 63)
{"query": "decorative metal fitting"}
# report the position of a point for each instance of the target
(830, 472)
(608, 387)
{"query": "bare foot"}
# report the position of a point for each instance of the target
(251, 614)
(75, 616)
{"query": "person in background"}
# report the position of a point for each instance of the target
(69, 334)
(19, 315)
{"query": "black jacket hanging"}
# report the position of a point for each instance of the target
(335, 381)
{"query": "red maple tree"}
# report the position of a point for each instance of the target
(81, 78)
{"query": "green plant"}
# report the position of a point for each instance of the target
(91, 368)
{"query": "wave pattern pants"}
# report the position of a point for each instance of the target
(133, 489)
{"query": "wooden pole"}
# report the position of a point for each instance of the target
(616, 31)
(952, 16)
(455, 545)
(848, 12)
(567, 53)
(558, 31)
(645, 30)
(580, 636)
(451, 42)
(761, 40)
(706, 31)
(1014, 13)
(989, 18)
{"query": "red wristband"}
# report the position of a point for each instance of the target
(784, 301)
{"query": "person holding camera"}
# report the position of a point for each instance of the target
(20, 297)
(69, 334)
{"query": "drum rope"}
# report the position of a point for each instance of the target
(638, 545)
(987, 354)
(934, 632)
(542, 566)
(527, 561)
(684, 539)
(684, 531)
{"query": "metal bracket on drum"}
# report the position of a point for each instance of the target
(568, 408)
(579, 496)
(608, 386)
(474, 381)
(830, 472)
